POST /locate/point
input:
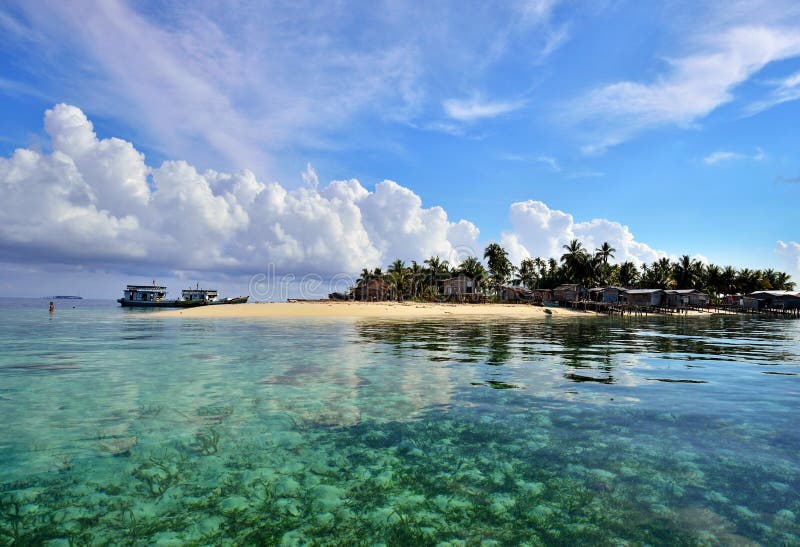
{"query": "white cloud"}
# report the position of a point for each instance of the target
(549, 161)
(783, 91)
(694, 85)
(89, 202)
(538, 230)
(725, 155)
(470, 110)
(789, 253)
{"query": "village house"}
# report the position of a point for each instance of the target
(643, 297)
(372, 291)
(461, 288)
(609, 295)
(540, 296)
(515, 294)
(677, 298)
(781, 300)
(568, 293)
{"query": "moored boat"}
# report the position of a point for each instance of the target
(154, 296)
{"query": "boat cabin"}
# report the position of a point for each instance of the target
(144, 293)
(199, 295)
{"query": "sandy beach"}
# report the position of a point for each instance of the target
(388, 310)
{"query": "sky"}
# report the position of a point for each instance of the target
(237, 143)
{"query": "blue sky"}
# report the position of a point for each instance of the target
(665, 129)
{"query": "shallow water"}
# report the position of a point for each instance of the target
(119, 427)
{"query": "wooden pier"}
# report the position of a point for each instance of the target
(614, 308)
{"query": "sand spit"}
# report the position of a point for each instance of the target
(387, 310)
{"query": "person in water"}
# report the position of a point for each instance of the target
(52, 307)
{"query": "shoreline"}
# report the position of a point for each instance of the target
(367, 310)
(373, 310)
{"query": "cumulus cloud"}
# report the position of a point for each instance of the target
(96, 201)
(538, 230)
(789, 253)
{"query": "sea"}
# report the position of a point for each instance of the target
(118, 426)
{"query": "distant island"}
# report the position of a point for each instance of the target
(436, 279)
(63, 297)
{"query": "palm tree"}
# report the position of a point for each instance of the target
(747, 280)
(657, 276)
(437, 268)
(783, 282)
(728, 280)
(628, 274)
(471, 267)
(416, 273)
(605, 251)
(398, 276)
(575, 260)
(712, 280)
(685, 272)
(500, 266)
(527, 275)
(365, 276)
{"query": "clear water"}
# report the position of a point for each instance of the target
(120, 427)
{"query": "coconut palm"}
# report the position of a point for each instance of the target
(527, 274)
(686, 272)
(712, 280)
(628, 274)
(437, 269)
(728, 280)
(416, 273)
(576, 261)
(500, 267)
(605, 251)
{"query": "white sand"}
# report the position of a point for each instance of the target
(389, 310)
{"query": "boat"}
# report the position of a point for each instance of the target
(154, 296)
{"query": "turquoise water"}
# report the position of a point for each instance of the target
(119, 427)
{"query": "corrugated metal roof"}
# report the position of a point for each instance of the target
(643, 291)
(774, 293)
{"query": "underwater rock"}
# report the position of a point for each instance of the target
(287, 486)
(779, 486)
(327, 498)
(290, 506)
(120, 446)
(784, 517)
(716, 497)
(294, 538)
(745, 512)
(325, 520)
(530, 488)
(500, 504)
(168, 539)
(234, 504)
(384, 479)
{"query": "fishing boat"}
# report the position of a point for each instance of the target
(154, 296)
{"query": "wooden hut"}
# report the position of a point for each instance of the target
(611, 295)
(780, 300)
(568, 293)
(643, 297)
(679, 298)
(541, 296)
(462, 288)
(515, 294)
(372, 291)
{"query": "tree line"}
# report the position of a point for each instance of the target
(576, 265)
